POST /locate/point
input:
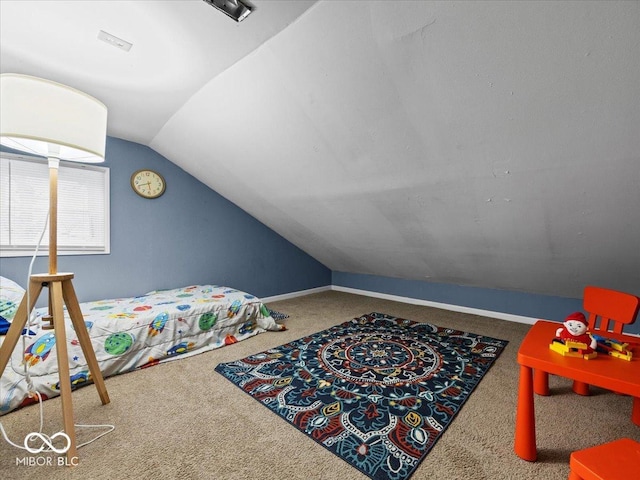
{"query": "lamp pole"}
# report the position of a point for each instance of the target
(54, 163)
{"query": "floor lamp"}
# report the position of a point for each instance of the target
(44, 118)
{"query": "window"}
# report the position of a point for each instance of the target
(83, 207)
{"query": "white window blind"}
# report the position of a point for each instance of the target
(83, 207)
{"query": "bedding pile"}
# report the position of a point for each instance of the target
(130, 333)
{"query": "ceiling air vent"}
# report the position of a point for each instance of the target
(233, 8)
(114, 41)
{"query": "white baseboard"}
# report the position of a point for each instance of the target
(413, 301)
(444, 306)
(300, 293)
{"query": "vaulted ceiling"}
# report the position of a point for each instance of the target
(494, 144)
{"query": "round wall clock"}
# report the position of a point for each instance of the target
(147, 183)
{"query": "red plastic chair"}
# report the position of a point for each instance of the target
(609, 312)
(610, 461)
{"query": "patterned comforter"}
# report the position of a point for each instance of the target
(130, 333)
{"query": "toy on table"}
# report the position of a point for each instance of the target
(573, 340)
(613, 347)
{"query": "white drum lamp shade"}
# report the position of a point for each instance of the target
(46, 118)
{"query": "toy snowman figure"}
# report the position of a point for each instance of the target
(574, 328)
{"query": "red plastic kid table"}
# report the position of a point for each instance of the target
(604, 371)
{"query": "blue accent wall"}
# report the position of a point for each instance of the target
(504, 301)
(190, 235)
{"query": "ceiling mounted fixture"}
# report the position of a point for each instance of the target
(236, 9)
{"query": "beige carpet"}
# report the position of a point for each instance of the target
(183, 420)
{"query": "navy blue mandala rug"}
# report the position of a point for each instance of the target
(377, 391)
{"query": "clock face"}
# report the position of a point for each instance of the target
(147, 183)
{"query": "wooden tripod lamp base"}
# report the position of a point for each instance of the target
(61, 293)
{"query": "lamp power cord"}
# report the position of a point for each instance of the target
(47, 441)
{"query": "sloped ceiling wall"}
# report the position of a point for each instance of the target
(485, 143)
(493, 144)
(178, 45)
